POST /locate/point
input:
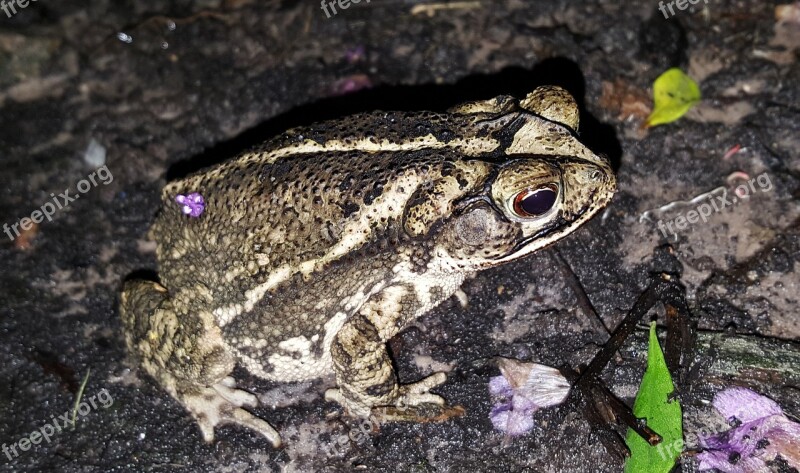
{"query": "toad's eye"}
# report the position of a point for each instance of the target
(535, 202)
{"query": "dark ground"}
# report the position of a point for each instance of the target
(229, 74)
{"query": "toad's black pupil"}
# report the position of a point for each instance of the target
(538, 201)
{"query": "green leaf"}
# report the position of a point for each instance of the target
(663, 416)
(674, 93)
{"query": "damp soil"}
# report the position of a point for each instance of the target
(154, 90)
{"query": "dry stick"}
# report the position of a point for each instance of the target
(660, 287)
(577, 288)
(664, 289)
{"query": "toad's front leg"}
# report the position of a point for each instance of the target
(364, 371)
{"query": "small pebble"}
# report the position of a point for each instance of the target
(95, 154)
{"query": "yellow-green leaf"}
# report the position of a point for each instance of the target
(663, 416)
(674, 93)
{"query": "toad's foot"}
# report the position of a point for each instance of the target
(222, 404)
(182, 348)
(417, 393)
(413, 394)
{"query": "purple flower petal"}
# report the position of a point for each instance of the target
(784, 440)
(523, 389)
(764, 434)
(499, 386)
(355, 54)
(714, 459)
(192, 205)
(546, 386)
(742, 440)
(515, 371)
(521, 402)
(730, 463)
(745, 405)
(513, 423)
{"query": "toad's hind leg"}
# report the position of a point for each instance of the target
(185, 353)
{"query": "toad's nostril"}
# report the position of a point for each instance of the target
(596, 175)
